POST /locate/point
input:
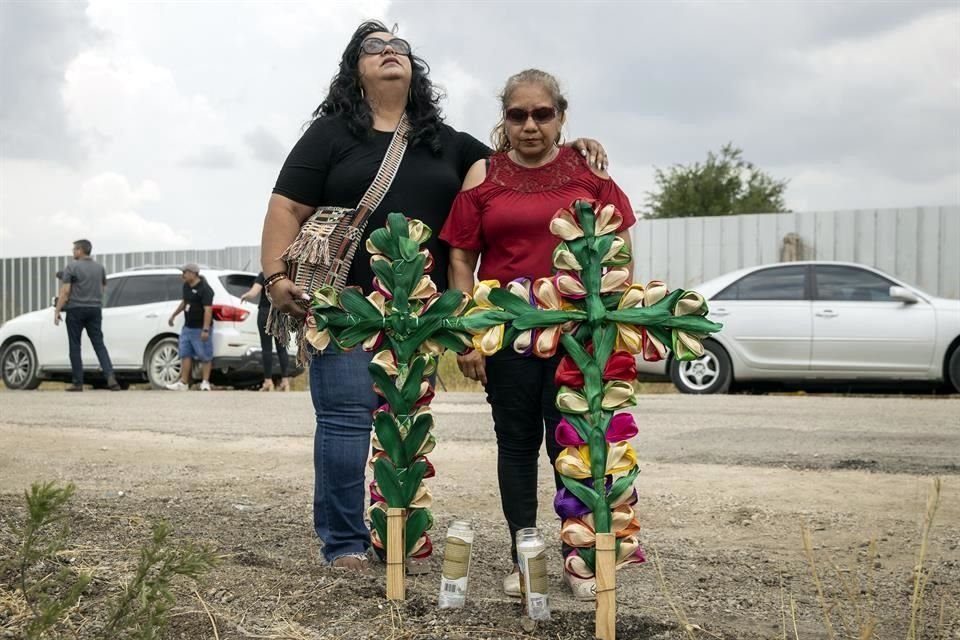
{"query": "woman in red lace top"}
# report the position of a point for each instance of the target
(501, 218)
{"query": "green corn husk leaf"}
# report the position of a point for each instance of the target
(410, 479)
(389, 391)
(378, 518)
(585, 494)
(586, 217)
(477, 322)
(382, 240)
(388, 481)
(610, 301)
(418, 521)
(607, 342)
(623, 485)
(580, 424)
(406, 275)
(585, 362)
(353, 302)
(411, 386)
(598, 457)
(533, 319)
(508, 301)
(589, 557)
(408, 249)
(434, 318)
(602, 245)
(384, 272)
(416, 436)
(352, 336)
(449, 339)
(388, 432)
(397, 224)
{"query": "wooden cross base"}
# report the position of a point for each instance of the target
(606, 572)
(396, 554)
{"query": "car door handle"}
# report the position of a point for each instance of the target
(827, 313)
(719, 312)
(151, 315)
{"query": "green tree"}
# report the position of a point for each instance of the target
(725, 184)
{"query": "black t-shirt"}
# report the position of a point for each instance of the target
(263, 303)
(331, 167)
(196, 297)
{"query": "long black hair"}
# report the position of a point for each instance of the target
(344, 96)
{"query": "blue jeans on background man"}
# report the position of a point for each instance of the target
(344, 401)
(89, 319)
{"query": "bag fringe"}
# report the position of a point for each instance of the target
(309, 247)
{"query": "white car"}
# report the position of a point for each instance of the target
(142, 346)
(819, 321)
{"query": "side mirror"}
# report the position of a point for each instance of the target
(904, 295)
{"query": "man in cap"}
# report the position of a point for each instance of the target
(81, 296)
(195, 337)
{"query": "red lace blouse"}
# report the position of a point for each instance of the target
(507, 216)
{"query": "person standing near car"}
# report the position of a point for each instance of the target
(267, 342)
(195, 337)
(81, 296)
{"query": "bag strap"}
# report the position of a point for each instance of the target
(386, 173)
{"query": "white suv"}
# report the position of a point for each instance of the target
(142, 346)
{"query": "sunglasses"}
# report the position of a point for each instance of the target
(373, 46)
(540, 115)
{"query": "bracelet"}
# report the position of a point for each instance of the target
(280, 275)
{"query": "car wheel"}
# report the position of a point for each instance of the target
(953, 369)
(710, 374)
(163, 363)
(19, 364)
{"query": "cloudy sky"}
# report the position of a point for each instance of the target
(163, 125)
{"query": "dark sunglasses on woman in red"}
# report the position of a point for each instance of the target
(373, 46)
(540, 115)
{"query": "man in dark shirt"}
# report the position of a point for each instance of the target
(81, 296)
(195, 337)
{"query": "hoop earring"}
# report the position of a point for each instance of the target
(363, 96)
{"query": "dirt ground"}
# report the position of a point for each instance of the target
(727, 483)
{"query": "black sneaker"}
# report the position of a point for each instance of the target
(75, 387)
(113, 385)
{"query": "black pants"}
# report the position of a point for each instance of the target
(267, 343)
(89, 319)
(522, 394)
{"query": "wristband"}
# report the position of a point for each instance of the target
(280, 275)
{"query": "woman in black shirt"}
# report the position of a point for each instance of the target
(333, 164)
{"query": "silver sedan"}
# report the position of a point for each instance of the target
(819, 321)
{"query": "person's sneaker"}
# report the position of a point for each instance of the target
(179, 385)
(205, 386)
(75, 387)
(511, 584)
(113, 385)
(581, 588)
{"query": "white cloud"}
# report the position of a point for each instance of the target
(106, 211)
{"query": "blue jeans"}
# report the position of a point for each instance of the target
(344, 401)
(89, 319)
